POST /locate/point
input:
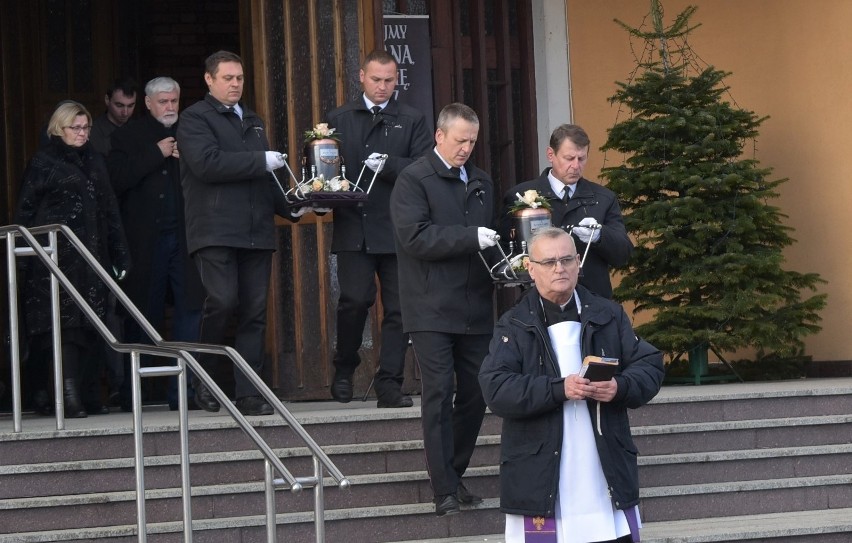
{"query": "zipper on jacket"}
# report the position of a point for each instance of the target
(540, 335)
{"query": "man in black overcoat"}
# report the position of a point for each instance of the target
(579, 203)
(375, 123)
(145, 174)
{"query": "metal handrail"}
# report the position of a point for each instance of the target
(178, 350)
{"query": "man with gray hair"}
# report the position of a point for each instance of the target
(145, 175)
(442, 208)
(568, 470)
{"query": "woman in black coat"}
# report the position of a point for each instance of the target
(66, 182)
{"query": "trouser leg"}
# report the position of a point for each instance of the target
(356, 275)
(391, 372)
(185, 322)
(434, 354)
(469, 407)
(254, 268)
(218, 270)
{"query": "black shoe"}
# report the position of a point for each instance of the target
(447, 504)
(341, 388)
(73, 407)
(399, 401)
(204, 398)
(253, 405)
(466, 497)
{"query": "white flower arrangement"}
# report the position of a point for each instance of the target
(529, 199)
(320, 132)
(321, 184)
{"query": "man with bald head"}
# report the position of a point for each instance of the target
(569, 462)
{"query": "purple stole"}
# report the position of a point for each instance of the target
(543, 529)
(539, 530)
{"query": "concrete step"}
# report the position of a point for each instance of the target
(208, 431)
(743, 465)
(664, 503)
(355, 525)
(825, 526)
(744, 401)
(367, 525)
(224, 500)
(701, 501)
(116, 474)
(743, 434)
(738, 467)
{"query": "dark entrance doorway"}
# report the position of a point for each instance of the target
(302, 58)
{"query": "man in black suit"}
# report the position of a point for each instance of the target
(578, 202)
(145, 175)
(443, 209)
(373, 124)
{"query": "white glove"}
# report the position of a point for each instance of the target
(119, 274)
(375, 163)
(487, 237)
(274, 160)
(586, 232)
(307, 209)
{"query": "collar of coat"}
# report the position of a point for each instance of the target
(390, 110)
(528, 311)
(583, 188)
(249, 116)
(473, 173)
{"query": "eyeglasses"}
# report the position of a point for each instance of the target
(551, 264)
(78, 129)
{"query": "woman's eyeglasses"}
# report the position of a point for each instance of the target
(78, 129)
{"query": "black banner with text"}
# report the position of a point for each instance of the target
(407, 39)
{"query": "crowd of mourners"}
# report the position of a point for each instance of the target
(180, 208)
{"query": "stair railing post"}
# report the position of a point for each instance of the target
(268, 479)
(139, 458)
(14, 345)
(186, 484)
(58, 396)
(319, 504)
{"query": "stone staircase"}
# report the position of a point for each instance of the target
(755, 462)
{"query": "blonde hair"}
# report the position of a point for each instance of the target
(64, 116)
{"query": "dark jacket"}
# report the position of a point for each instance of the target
(149, 194)
(101, 134)
(614, 247)
(70, 186)
(230, 199)
(400, 132)
(521, 383)
(444, 285)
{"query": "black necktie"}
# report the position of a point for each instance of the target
(456, 171)
(566, 195)
(376, 110)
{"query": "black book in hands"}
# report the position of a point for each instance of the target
(598, 368)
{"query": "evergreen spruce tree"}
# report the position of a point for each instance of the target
(708, 258)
